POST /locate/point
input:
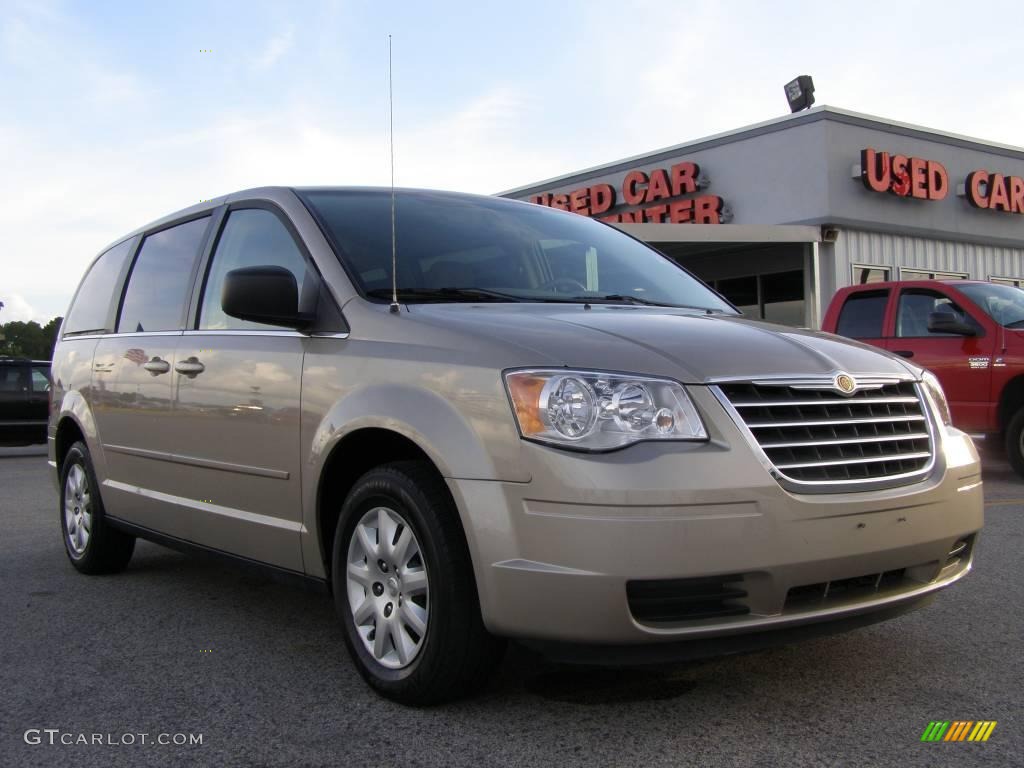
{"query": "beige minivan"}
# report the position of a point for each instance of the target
(554, 434)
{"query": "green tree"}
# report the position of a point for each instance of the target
(50, 331)
(21, 339)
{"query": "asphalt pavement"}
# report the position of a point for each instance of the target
(184, 648)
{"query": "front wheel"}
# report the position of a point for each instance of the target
(404, 588)
(1015, 442)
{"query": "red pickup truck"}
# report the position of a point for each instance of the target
(969, 333)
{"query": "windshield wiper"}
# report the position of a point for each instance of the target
(624, 299)
(445, 294)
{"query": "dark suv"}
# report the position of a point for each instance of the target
(24, 400)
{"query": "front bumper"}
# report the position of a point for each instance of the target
(554, 557)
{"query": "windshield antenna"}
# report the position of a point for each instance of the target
(391, 134)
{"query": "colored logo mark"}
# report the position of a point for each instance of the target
(958, 730)
(845, 383)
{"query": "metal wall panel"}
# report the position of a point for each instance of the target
(895, 251)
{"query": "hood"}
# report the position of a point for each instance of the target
(687, 345)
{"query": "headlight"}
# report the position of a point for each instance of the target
(600, 411)
(937, 396)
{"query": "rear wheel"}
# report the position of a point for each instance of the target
(1015, 442)
(404, 588)
(91, 544)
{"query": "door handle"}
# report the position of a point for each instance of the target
(190, 367)
(903, 352)
(156, 366)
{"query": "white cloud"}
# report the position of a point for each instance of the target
(111, 190)
(622, 81)
(275, 48)
(16, 308)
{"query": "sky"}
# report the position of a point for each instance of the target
(117, 113)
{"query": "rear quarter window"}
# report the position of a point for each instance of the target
(862, 315)
(90, 310)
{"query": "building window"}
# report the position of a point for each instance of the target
(924, 274)
(782, 297)
(864, 274)
(777, 297)
(1016, 282)
(743, 292)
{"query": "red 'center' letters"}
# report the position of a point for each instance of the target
(642, 188)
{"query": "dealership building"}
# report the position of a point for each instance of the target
(777, 216)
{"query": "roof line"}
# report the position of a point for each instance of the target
(770, 126)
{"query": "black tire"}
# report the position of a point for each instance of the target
(1014, 437)
(106, 550)
(457, 655)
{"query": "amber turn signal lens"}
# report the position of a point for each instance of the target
(525, 391)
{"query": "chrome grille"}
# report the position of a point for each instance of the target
(812, 434)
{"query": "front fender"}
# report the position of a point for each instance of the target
(426, 418)
(451, 439)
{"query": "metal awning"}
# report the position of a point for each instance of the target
(722, 233)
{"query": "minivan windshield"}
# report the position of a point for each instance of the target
(453, 247)
(1003, 303)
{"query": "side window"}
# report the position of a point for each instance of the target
(158, 286)
(916, 305)
(92, 302)
(40, 379)
(862, 315)
(13, 379)
(252, 237)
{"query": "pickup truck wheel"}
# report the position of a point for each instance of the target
(404, 588)
(91, 544)
(1015, 442)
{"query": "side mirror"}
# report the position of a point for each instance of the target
(947, 322)
(266, 294)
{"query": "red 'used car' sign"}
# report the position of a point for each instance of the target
(995, 191)
(903, 176)
(660, 192)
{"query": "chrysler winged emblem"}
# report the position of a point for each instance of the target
(845, 383)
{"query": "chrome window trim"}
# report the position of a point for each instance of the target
(833, 486)
(121, 335)
(243, 332)
(225, 332)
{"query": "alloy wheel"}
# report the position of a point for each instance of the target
(387, 587)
